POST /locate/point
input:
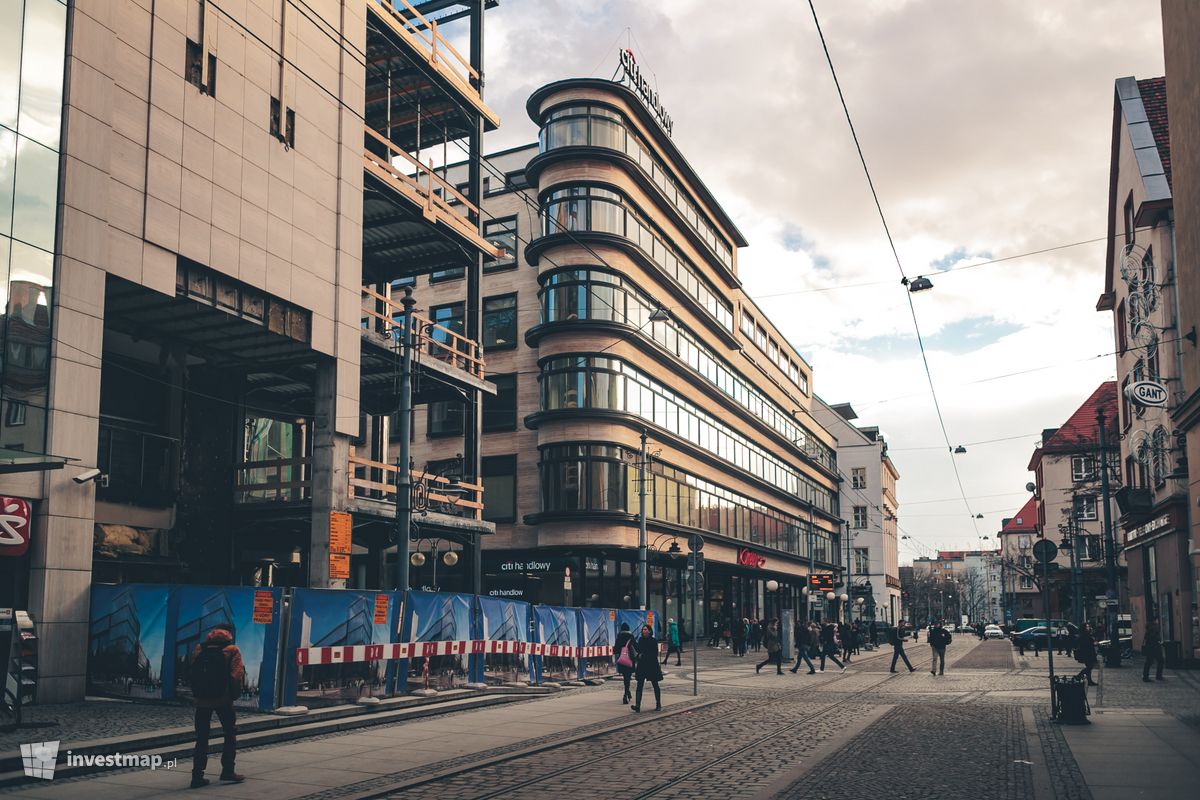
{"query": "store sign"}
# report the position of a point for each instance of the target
(525, 566)
(1148, 394)
(631, 74)
(1149, 527)
(748, 558)
(15, 515)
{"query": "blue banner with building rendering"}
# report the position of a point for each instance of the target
(504, 621)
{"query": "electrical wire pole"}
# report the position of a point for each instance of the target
(642, 577)
(1113, 657)
(403, 529)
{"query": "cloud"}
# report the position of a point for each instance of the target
(987, 130)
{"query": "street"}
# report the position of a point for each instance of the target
(980, 730)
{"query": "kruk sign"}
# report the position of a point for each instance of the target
(749, 558)
(14, 526)
(1148, 394)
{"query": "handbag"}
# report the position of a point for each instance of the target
(625, 660)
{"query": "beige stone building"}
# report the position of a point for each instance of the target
(1142, 292)
(621, 313)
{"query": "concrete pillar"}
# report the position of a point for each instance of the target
(330, 480)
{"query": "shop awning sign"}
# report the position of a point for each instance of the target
(15, 515)
(749, 558)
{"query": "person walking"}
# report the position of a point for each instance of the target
(625, 656)
(1085, 652)
(756, 634)
(771, 639)
(939, 638)
(1152, 651)
(673, 644)
(896, 640)
(874, 633)
(216, 675)
(829, 646)
(739, 637)
(647, 668)
(803, 637)
(714, 640)
(849, 639)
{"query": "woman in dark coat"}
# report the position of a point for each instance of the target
(625, 638)
(1085, 652)
(648, 668)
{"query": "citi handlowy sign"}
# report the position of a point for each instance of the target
(1148, 394)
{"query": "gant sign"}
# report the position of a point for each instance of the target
(748, 558)
(1148, 394)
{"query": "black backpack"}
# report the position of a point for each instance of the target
(210, 673)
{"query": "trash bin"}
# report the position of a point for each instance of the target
(1070, 695)
(1173, 654)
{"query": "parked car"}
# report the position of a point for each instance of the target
(1026, 637)
(993, 632)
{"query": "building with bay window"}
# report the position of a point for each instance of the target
(620, 314)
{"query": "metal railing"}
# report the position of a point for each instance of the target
(375, 480)
(439, 201)
(423, 36)
(275, 480)
(430, 338)
(140, 466)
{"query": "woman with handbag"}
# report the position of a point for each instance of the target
(647, 668)
(625, 656)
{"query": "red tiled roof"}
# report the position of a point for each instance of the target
(1026, 519)
(1081, 427)
(1154, 98)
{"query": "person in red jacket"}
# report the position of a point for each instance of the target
(216, 674)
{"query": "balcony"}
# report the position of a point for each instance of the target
(413, 70)
(140, 467)
(454, 362)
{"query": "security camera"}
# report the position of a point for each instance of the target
(87, 475)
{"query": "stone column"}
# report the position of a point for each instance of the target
(330, 480)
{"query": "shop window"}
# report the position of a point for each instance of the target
(500, 488)
(502, 233)
(500, 322)
(500, 412)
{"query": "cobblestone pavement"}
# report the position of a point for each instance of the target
(931, 751)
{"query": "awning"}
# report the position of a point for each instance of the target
(24, 461)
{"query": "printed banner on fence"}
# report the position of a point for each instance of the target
(198, 610)
(127, 640)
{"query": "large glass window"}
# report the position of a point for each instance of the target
(445, 418)
(591, 208)
(449, 318)
(599, 126)
(32, 44)
(502, 233)
(500, 488)
(602, 477)
(574, 294)
(604, 382)
(500, 412)
(500, 322)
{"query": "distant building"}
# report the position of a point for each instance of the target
(868, 501)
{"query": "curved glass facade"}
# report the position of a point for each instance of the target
(600, 477)
(591, 208)
(604, 382)
(600, 126)
(595, 294)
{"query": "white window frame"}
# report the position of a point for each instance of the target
(1083, 468)
(860, 517)
(1080, 509)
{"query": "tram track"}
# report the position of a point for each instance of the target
(719, 719)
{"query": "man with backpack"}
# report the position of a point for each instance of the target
(938, 638)
(216, 675)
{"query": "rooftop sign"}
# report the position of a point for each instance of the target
(631, 74)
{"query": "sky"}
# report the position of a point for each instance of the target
(987, 129)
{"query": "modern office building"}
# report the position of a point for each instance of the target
(1142, 293)
(620, 315)
(201, 206)
(868, 498)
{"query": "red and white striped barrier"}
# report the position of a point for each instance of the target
(350, 654)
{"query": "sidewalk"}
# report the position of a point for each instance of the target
(1131, 753)
(293, 770)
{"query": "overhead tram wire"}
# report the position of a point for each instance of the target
(899, 266)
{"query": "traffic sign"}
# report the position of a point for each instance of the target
(1045, 550)
(1112, 602)
(696, 543)
(696, 561)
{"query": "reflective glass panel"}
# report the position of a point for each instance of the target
(11, 12)
(8, 166)
(42, 71)
(35, 194)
